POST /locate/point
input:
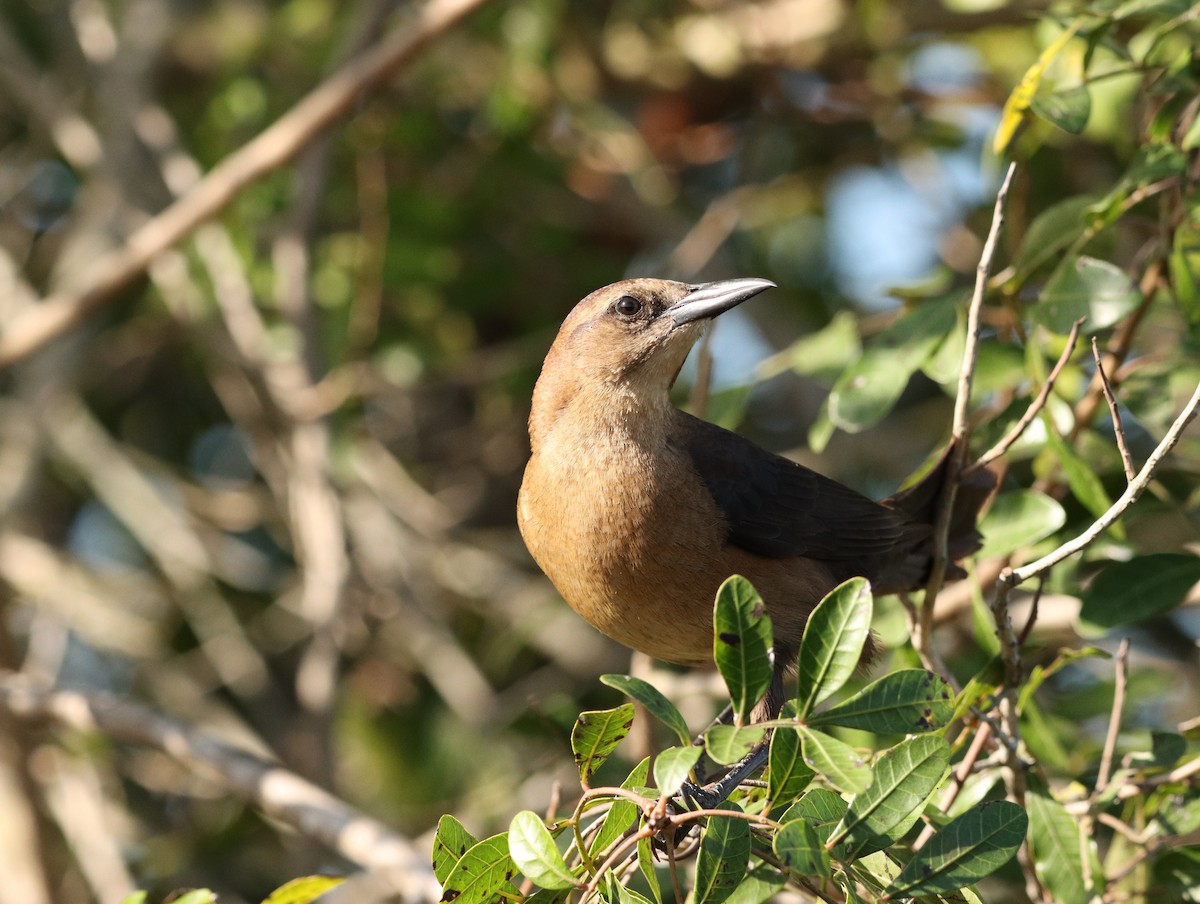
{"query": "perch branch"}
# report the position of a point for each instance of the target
(1118, 427)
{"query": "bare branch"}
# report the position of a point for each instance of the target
(1118, 427)
(1137, 486)
(1114, 722)
(281, 794)
(275, 146)
(1034, 407)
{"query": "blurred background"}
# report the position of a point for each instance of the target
(269, 488)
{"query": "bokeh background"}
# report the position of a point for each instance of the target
(269, 488)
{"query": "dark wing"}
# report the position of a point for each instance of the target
(777, 508)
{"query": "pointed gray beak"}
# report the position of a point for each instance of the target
(710, 299)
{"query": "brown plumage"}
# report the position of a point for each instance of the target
(637, 511)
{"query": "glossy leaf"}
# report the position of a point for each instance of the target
(974, 845)
(621, 812)
(449, 844)
(904, 777)
(787, 773)
(651, 698)
(742, 646)
(1019, 519)
(833, 642)
(821, 808)
(723, 857)
(672, 766)
(1129, 592)
(596, 735)
(727, 744)
(904, 702)
(801, 849)
(534, 852)
(1054, 844)
(1085, 287)
(483, 874)
(839, 763)
(303, 890)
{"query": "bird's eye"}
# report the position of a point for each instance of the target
(627, 306)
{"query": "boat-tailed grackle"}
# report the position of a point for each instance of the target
(638, 511)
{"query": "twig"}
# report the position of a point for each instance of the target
(270, 149)
(1114, 722)
(1033, 611)
(1034, 407)
(1118, 427)
(281, 794)
(982, 734)
(1012, 577)
(961, 429)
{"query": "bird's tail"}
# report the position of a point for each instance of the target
(921, 502)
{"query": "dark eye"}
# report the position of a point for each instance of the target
(627, 306)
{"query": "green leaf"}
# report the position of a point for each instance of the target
(839, 763)
(482, 874)
(1129, 592)
(1052, 231)
(621, 813)
(138, 897)
(1185, 263)
(651, 698)
(1068, 109)
(1039, 673)
(1022, 95)
(1054, 845)
(196, 896)
(1019, 519)
(974, 845)
(821, 808)
(1085, 287)
(671, 767)
(742, 644)
(904, 777)
(787, 773)
(645, 855)
(1084, 483)
(801, 849)
(303, 890)
(596, 735)
(833, 642)
(449, 844)
(903, 702)
(723, 857)
(727, 744)
(533, 850)
(760, 885)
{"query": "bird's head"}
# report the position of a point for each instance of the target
(642, 329)
(632, 338)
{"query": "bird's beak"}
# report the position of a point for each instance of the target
(710, 299)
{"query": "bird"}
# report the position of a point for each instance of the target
(637, 511)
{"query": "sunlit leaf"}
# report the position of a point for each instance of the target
(821, 808)
(621, 812)
(903, 702)
(761, 884)
(645, 856)
(1085, 287)
(1022, 95)
(833, 642)
(672, 766)
(651, 698)
(727, 744)
(1018, 519)
(1129, 592)
(534, 852)
(839, 763)
(449, 844)
(723, 857)
(596, 735)
(303, 890)
(742, 646)
(482, 874)
(903, 778)
(787, 773)
(974, 845)
(1054, 844)
(800, 849)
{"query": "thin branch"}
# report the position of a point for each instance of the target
(281, 794)
(276, 145)
(1114, 722)
(1118, 427)
(961, 429)
(1015, 576)
(1034, 407)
